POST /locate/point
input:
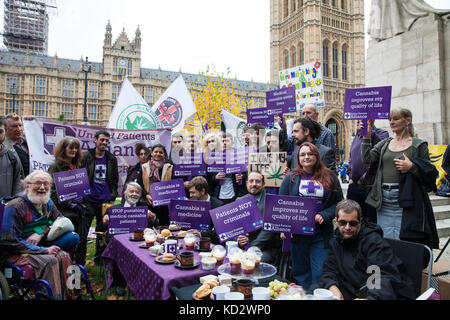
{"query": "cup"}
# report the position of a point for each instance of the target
(160, 239)
(205, 243)
(248, 266)
(219, 292)
(189, 242)
(261, 293)
(234, 296)
(208, 263)
(149, 242)
(235, 266)
(170, 246)
(323, 294)
(244, 286)
(186, 259)
(231, 244)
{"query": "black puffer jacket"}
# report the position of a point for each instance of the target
(348, 261)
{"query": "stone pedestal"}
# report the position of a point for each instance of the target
(417, 66)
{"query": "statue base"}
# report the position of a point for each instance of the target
(417, 66)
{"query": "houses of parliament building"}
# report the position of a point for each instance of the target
(301, 31)
(49, 86)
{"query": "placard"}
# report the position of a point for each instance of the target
(190, 214)
(367, 103)
(71, 184)
(164, 191)
(270, 165)
(294, 215)
(260, 115)
(216, 161)
(237, 218)
(308, 82)
(281, 101)
(127, 219)
(189, 165)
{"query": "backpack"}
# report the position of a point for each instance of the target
(444, 189)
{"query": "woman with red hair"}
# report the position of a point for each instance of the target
(311, 179)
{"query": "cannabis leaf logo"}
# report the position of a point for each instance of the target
(275, 174)
(139, 123)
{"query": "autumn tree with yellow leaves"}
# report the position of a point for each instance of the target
(211, 94)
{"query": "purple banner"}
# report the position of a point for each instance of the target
(260, 115)
(164, 191)
(189, 165)
(189, 214)
(126, 220)
(72, 184)
(237, 160)
(237, 218)
(288, 214)
(281, 101)
(43, 135)
(367, 103)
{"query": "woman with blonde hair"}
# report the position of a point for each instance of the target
(404, 168)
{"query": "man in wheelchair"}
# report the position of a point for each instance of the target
(26, 224)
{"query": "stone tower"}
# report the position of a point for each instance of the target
(123, 56)
(302, 31)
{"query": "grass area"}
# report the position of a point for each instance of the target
(97, 278)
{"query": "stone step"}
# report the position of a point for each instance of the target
(441, 212)
(439, 201)
(443, 228)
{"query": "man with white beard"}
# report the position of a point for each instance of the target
(26, 224)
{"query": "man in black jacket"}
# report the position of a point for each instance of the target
(198, 191)
(360, 257)
(102, 169)
(270, 243)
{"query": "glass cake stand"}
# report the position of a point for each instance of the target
(263, 271)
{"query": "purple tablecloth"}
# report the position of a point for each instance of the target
(147, 279)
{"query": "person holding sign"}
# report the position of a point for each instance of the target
(227, 187)
(268, 242)
(404, 175)
(68, 157)
(311, 179)
(198, 191)
(157, 169)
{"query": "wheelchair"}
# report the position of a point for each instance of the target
(20, 283)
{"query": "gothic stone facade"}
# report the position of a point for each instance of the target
(48, 87)
(302, 31)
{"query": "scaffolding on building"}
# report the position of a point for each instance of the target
(26, 24)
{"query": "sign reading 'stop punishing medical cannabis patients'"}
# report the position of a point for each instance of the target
(367, 103)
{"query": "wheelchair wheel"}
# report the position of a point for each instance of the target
(4, 287)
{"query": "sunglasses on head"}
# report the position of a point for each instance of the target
(352, 223)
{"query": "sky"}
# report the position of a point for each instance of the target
(176, 34)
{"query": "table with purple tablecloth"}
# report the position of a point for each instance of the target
(147, 279)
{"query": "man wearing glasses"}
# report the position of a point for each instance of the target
(358, 246)
(26, 224)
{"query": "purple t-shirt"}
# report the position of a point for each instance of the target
(100, 189)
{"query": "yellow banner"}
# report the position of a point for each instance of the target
(436, 156)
